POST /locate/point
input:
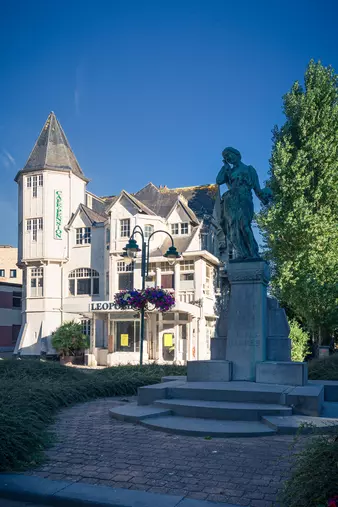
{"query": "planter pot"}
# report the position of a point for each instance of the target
(67, 360)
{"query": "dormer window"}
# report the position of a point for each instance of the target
(182, 228)
(185, 228)
(148, 230)
(174, 229)
(83, 235)
(34, 182)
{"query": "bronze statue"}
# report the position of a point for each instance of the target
(237, 208)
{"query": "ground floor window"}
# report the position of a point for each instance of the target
(85, 323)
(127, 336)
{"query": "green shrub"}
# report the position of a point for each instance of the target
(325, 368)
(69, 339)
(299, 341)
(314, 479)
(32, 391)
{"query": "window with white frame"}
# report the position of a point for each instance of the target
(86, 324)
(107, 284)
(122, 267)
(125, 228)
(209, 274)
(181, 228)
(165, 266)
(148, 230)
(108, 237)
(33, 225)
(83, 282)
(34, 182)
(83, 235)
(125, 275)
(187, 266)
(185, 228)
(2, 273)
(12, 273)
(187, 270)
(36, 282)
(174, 229)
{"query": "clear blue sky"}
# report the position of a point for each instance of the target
(152, 90)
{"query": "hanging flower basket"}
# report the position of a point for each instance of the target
(159, 299)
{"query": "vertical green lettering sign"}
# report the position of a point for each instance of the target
(58, 215)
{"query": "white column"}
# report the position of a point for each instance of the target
(158, 277)
(159, 337)
(177, 280)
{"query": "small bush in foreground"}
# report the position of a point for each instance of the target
(314, 479)
(325, 368)
(33, 391)
(69, 340)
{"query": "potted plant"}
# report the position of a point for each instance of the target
(70, 342)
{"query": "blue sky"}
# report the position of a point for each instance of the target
(152, 90)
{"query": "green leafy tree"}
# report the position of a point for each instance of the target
(69, 339)
(300, 227)
(299, 341)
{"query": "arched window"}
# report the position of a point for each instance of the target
(83, 281)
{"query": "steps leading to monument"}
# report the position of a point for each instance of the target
(208, 427)
(240, 392)
(222, 410)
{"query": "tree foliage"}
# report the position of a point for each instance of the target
(299, 341)
(300, 227)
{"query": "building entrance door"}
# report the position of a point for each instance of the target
(168, 343)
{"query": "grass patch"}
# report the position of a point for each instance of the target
(33, 391)
(325, 368)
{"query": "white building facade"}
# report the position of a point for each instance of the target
(70, 252)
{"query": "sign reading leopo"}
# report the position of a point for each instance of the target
(58, 215)
(106, 306)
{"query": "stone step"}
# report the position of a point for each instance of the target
(290, 425)
(135, 413)
(208, 427)
(223, 410)
(243, 392)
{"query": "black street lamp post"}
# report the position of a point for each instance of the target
(131, 250)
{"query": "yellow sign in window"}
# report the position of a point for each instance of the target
(124, 340)
(168, 340)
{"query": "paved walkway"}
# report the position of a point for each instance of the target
(93, 448)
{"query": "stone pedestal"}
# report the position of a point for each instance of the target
(247, 317)
(209, 371)
(278, 343)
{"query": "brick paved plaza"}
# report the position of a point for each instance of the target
(95, 449)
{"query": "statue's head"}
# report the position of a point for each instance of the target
(231, 155)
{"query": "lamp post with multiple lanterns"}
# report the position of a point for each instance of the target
(130, 252)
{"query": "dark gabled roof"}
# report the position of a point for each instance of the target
(52, 151)
(93, 216)
(136, 202)
(200, 199)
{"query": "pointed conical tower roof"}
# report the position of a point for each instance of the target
(52, 151)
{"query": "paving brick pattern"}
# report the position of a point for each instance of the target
(94, 448)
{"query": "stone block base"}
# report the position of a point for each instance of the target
(218, 348)
(284, 373)
(209, 371)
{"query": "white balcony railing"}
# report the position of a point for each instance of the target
(186, 296)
